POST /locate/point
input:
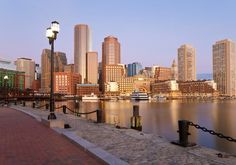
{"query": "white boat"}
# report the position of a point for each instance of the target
(139, 96)
(91, 97)
(161, 98)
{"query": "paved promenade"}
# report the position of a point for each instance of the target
(25, 141)
(132, 146)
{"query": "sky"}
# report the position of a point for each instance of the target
(149, 31)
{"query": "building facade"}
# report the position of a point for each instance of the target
(59, 62)
(87, 89)
(69, 68)
(163, 73)
(174, 71)
(28, 66)
(82, 45)
(186, 63)
(15, 83)
(224, 66)
(65, 82)
(92, 67)
(134, 69)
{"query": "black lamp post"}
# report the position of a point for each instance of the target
(51, 34)
(5, 86)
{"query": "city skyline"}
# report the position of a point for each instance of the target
(147, 31)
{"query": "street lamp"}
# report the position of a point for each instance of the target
(51, 34)
(5, 86)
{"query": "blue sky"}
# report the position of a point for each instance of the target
(150, 31)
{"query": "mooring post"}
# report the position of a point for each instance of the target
(64, 109)
(136, 119)
(99, 116)
(183, 134)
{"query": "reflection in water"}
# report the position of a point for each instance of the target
(162, 118)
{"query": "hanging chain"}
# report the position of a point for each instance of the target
(220, 135)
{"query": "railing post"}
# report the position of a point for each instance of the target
(33, 105)
(99, 116)
(136, 119)
(64, 109)
(47, 106)
(183, 134)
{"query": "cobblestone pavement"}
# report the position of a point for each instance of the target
(25, 141)
(139, 148)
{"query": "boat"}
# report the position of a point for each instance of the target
(139, 96)
(91, 97)
(161, 98)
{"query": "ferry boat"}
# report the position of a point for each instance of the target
(139, 96)
(91, 97)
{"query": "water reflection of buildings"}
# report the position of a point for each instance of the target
(225, 123)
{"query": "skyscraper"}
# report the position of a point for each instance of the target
(82, 45)
(110, 51)
(134, 68)
(186, 63)
(28, 66)
(59, 62)
(110, 56)
(224, 66)
(92, 67)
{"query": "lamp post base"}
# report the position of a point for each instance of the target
(52, 116)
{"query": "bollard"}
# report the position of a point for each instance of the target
(15, 103)
(99, 116)
(33, 105)
(135, 110)
(183, 134)
(47, 106)
(136, 119)
(76, 104)
(64, 109)
(23, 104)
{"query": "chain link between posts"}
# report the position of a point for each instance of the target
(220, 135)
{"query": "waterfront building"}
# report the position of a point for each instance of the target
(87, 89)
(174, 71)
(140, 83)
(134, 68)
(224, 66)
(7, 64)
(112, 73)
(59, 62)
(69, 68)
(65, 82)
(169, 88)
(162, 73)
(82, 45)
(15, 83)
(198, 88)
(111, 89)
(186, 63)
(92, 67)
(28, 66)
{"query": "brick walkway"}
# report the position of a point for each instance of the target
(24, 141)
